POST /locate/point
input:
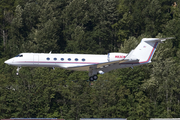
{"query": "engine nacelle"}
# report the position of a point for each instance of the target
(116, 56)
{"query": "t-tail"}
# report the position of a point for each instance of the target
(145, 50)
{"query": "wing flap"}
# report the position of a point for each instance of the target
(101, 65)
(131, 61)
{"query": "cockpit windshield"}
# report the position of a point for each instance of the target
(19, 56)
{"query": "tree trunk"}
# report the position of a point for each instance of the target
(4, 38)
(167, 99)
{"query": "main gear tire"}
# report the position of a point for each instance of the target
(91, 78)
(95, 77)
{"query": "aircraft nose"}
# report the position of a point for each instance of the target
(8, 61)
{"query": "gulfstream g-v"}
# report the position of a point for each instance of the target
(93, 63)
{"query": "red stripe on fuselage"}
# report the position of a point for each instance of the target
(56, 62)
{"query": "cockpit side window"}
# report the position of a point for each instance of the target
(19, 56)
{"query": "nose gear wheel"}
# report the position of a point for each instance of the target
(17, 73)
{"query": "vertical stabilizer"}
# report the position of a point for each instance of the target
(145, 50)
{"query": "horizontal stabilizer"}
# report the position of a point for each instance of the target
(156, 39)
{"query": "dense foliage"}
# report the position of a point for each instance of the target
(95, 27)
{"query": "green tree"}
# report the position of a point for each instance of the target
(93, 23)
(6, 17)
(142, 17)
(162, 85)
(37, 27)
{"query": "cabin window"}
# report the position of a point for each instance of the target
(83, 59)
(62, 59)
(48, 58)
(55, 58)
(69, 59)
(76, 59)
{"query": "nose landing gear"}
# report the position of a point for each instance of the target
(17, 73)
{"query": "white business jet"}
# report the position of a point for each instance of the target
(95, 64)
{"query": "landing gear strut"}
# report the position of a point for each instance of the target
(17, 73)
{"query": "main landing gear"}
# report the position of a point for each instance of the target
(93, 73)
(17, 73)
(92, 78)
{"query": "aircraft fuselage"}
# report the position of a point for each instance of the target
(61, 60)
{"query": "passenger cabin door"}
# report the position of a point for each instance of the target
(36, 59)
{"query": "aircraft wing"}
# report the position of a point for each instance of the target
(101, 65)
